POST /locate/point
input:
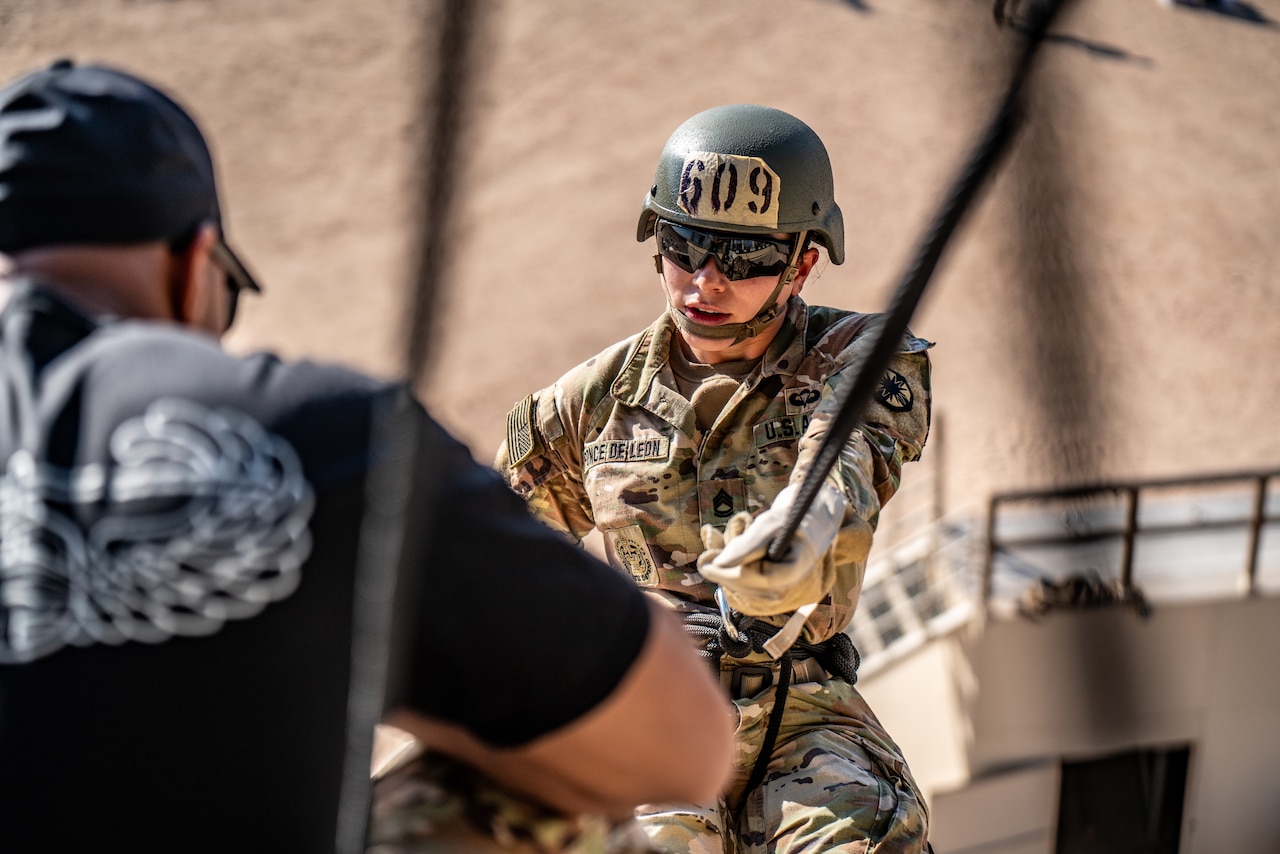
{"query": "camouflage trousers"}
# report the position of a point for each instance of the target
(434, 805)
(835, 782)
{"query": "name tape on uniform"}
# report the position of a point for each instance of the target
(625, 451)
(729, 188)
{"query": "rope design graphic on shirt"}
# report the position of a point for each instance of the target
(202, 519)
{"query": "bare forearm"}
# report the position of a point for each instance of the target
(515, 769)
(628, 750)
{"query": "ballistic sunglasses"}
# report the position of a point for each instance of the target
(739, 256)
(236, 281)
(238, 276)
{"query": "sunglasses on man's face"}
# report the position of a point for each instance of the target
(222, 257)
(739, 256)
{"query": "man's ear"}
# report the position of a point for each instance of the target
(807, 259)
(191, 281)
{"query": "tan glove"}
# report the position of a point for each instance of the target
(756, 586)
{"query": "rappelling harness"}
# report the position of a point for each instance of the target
(729, 634)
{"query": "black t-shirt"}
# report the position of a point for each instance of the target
(180, 605)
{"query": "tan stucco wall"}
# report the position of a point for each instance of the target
(1141, 208)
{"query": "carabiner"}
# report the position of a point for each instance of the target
(725, 615)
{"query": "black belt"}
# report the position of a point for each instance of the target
(835, 656)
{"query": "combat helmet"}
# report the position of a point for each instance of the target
(750, 169)
(783, 177)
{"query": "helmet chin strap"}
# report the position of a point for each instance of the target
(769, 312)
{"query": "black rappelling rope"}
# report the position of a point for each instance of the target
(775, 723)
(979, 167)
(986, 155)
(442, 112)
(395, 492)
(454, 52)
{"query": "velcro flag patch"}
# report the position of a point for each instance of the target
(520, 431)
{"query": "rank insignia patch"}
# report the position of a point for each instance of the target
(894, 393)
(520, 432)
(718, 500)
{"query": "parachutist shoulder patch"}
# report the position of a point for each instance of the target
(520, 431)
(894, 392)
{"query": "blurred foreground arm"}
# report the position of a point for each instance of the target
(626, 751)
(542, 666)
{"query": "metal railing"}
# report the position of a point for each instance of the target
(1162, 536)
(918, 590)
(1098, 528)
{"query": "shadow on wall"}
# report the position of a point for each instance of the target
(1231, 8)
(1058, 351)
(1008, 14)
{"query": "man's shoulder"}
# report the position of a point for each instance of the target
(199, 365)
(322, 409)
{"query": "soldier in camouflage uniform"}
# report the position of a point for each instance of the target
(684, 446)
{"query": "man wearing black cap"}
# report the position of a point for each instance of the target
(195, 600)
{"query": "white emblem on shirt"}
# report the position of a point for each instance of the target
(201, 518)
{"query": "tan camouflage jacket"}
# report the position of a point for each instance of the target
(613, 445)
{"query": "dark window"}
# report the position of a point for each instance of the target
(1129, 803)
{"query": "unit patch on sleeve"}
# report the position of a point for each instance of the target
(625, 451)
(629, 552)
(520, 431)
(894, 393)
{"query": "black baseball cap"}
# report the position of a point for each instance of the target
(91, 154)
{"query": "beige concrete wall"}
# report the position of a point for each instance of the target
(310, 108)
(1237, 772)
(1013, 813)
(1086, 684)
